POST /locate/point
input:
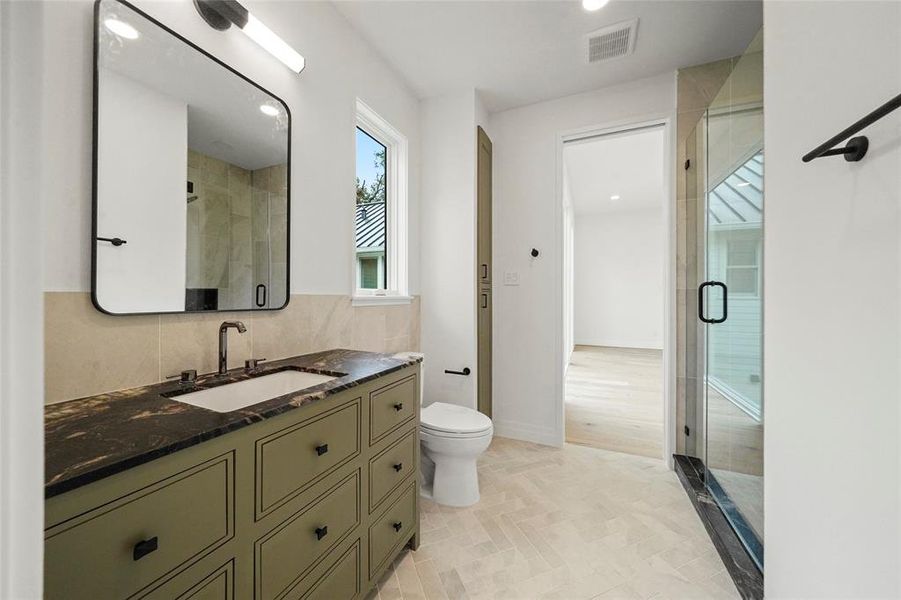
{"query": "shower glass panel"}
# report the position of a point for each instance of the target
(732, 298)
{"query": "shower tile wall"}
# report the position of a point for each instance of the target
(219, 230)
(269, 215)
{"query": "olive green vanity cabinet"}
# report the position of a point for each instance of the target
(313, 503)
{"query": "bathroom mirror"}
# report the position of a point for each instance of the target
(191, 176)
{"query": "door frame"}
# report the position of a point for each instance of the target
(665, 120)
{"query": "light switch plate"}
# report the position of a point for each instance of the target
(511, 278)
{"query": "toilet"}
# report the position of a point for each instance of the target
(452, 438)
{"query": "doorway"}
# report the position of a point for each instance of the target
(615, 257)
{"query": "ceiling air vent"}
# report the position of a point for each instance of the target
(613, 41)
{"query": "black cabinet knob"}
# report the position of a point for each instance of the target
(399, 406)
(398, 526)
(321, 532)
(321, 449)
(145, 547)
(398, 467)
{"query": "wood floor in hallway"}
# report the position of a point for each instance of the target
(614, 399)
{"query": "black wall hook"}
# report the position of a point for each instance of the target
(534, 253)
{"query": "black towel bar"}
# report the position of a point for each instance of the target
(465, 371)
(856, 148)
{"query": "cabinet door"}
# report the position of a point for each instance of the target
(122, 547)
(484, 351)
(484, 175)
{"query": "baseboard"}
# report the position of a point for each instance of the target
(612, 343)
(526, 432)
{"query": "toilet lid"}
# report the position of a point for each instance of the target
(451, 418)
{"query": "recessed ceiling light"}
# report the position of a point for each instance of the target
(614, 197)
(593, 5)
(269, 110)
(122, 29)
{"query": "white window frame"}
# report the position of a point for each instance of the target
(396, 165)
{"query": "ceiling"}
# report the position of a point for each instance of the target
(628, 165)
(519, 52)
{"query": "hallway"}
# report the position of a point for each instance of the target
(614, 399)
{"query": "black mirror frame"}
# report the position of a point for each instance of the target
(94, 165)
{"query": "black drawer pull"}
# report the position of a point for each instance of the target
(399, 406)
(398, 526)
(322, 449)
(145, 547)
(398, 467)
(321, 532)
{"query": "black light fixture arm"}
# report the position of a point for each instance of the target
(856, 148)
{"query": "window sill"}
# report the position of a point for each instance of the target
(380, 300)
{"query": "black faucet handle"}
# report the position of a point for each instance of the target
(186, 376)
(253, 363)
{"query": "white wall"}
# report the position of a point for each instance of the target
(448, 247)
(832, 299)
(141, 197)
(340, 68)
(528, 318)
(569, 249)
(618, 288)
(21, 301)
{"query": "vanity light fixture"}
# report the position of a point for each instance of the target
(222, 14)
(121, 28)
(593, 5)
(269, 110)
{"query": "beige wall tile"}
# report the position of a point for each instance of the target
(370, 328)
(288, 332)
(87, 352)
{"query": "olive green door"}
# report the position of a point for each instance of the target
(483, 286)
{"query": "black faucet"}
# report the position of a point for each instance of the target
(223, 342)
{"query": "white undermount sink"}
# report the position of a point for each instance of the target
(232, 396)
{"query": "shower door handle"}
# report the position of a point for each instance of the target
(261, 295)
(701, 313)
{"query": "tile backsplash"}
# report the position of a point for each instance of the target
(88, 352)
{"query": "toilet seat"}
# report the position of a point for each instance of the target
(452, 421)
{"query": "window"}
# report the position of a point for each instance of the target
(742, 267)
(380, 212)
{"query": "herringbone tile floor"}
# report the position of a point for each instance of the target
(568, 523)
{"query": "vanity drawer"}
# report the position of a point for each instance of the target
(218, 585)
(125, 545)
(291, 460)
(284, 555)
(392, 528)
(340, 582)
(392, 406)
(389, 469)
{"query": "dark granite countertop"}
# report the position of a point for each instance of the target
(95, 437)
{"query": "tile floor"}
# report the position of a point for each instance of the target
(571, 523)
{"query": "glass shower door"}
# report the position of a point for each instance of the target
(730, 300)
